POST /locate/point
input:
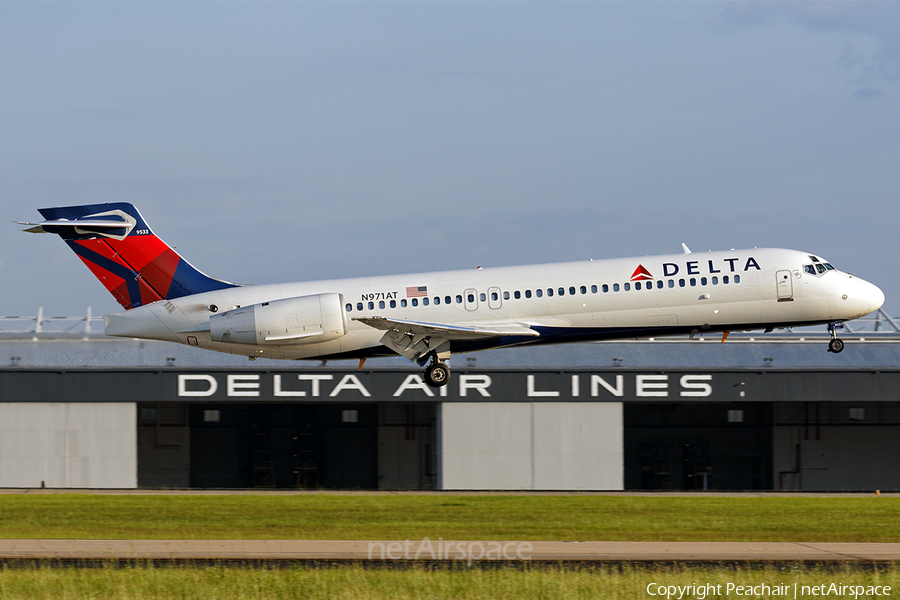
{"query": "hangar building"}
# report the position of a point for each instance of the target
(770, 412)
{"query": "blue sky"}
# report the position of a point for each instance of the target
(290, 141)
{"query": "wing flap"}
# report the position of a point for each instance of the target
(458, 332)
(416, 339)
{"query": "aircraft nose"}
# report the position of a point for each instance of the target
(858, 298)
(875, 296)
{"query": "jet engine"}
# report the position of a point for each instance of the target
(301, 320)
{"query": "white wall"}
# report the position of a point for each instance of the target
(68, 445)
(531, 446)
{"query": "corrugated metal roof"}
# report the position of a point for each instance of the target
(773, 352)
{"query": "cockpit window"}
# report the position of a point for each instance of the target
(820, 268)
(829, 267)
(813, 258)
(809, 269)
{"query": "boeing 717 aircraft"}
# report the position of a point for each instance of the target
(426, 317)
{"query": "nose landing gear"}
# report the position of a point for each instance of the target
(836, 344)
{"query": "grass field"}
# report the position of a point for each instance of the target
(400, 517)
(359, 583)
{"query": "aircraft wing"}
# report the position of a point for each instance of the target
(416, 339)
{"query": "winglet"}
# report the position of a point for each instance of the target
(685, 248)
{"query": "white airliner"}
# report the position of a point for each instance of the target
(427, 316)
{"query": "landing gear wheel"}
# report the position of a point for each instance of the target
(836, 345)
(437, 374)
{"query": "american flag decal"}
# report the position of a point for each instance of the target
(417, 291)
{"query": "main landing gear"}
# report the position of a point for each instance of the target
(836, 344)
(437, 374)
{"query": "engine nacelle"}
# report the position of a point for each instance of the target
(301, 320)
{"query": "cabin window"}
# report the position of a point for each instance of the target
(593, 289)
(561, 291)
(627, 287)
(693, 282)
(415, 301)
(605, 288)
(649, 285)
(549, 292)
(424, 301)
(371, 306)
(482, 296)
(659, 284)
(359, 306)
(572, 290)
(437, 300)
(637, 285)
(393, 304)
(703, 281)
(517, 294)
(671, 283)
(381, 304)
(715, 280)
(528, 293)
(349, 307)
(737, 278)
(471, 298)
(583, 290)
(615, 287)
(539, 292)
(459, 299)
(681, 283)
(724, 278)
(447, 299)
(403, 303)
(506, 295)
(495, 296)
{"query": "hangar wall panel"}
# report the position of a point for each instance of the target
(531, 446)
(850, 458)
(578, 446)
(68, 445)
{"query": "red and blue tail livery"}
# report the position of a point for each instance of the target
(119, 248)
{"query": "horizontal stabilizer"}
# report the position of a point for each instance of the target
(86, 225)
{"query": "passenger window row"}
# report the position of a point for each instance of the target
(539, 293)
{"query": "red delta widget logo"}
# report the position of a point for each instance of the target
(692, 267)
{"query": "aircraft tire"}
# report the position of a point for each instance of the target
(437, 375)
(836, 345)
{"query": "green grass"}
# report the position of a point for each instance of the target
(359, 583)
(400, 517)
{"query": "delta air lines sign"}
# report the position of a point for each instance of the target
(503, 386)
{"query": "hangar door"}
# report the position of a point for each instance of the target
(284, 446)
(68, 445)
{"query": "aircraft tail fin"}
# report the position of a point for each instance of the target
(119, 248)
